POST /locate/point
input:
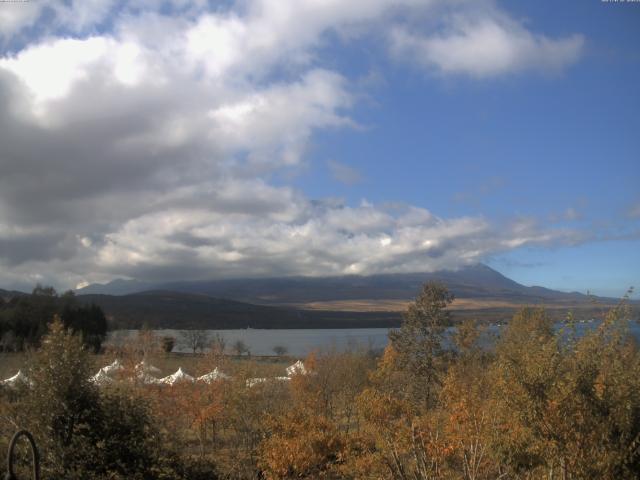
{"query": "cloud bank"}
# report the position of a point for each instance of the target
(142, 141)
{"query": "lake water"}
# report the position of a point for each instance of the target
(299, 342)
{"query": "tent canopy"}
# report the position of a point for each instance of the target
(145, 367)
(178, 376)
(101, 378)
(18, 378)
(212, 376)
(297, 368)
(116, 366)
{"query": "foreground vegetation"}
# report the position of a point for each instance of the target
(540, 405)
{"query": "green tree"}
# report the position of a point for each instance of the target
(27, 317)
(127, 443)
(418, 342)
(84, 433)
(89, 321)
(61, 404)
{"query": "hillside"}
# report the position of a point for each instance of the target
(477, 281)
(166, 309)
(331, 302)
(6, 294)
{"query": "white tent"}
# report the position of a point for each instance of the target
(179, 376)
(17, 379)
(255, 381)
(296, 368)
(147, 379)
(116, 366)
(145, 367)
(212, 376)
(101, 378)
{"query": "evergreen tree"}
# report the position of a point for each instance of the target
(418, 342)
(61, 404)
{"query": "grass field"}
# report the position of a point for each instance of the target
(459, 304)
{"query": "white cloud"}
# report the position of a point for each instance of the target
(142, 142)
(326, 241)
(487, 45)
(276, 122)
(15, 16)
(50, 70)
(80, 15)
(74, 15)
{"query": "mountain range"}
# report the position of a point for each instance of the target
(326, 302)
(476, 281)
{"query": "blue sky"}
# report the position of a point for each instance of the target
(530, 145)
(192, 139)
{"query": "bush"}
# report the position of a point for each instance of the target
(84, 433)
(167, 344)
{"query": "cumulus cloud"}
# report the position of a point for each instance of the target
(143, 142)
(15, 16)
(487, 44)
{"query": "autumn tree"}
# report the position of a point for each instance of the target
(146, 342)
(204, 402)
(402, 439)
(301, 446)
(318, 432)
(570, 404)
(466, 402)
(243, 422)
(427, 409)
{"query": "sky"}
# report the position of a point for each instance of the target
(193, 139)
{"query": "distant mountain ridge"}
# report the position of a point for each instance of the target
(168, 309)
(476, 281)
(326, 302)
(10, 293)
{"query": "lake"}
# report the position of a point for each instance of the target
(299, 342)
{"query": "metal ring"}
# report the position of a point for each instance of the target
(34, 455)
